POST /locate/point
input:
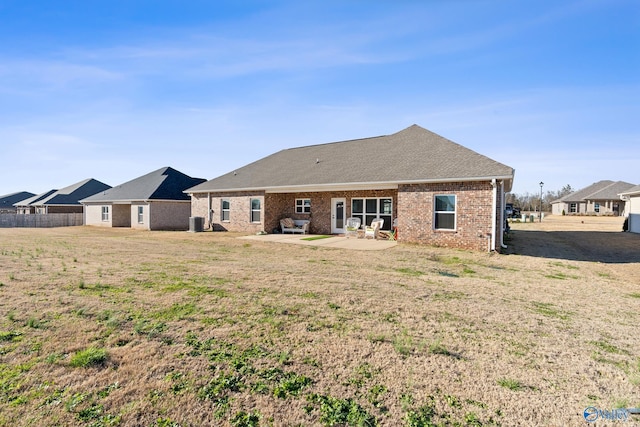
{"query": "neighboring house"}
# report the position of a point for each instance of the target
(8, 201)
(600, 198)
(155, 201)
(66, 200)
(26, 207)
(631, 198)
(440, 192)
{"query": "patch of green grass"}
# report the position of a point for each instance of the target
(179, 382)
(374, 395)
(468, 271)
(518, 348)
(363, 373)
(561, 264)
(634, 295)
(291, 385)
(549, 310)
(510, 383)
(410, 271)
(245, 419)
(34, 323)
(403, 344)
(99, 288)
(421, 417)
(149, 328)
(166, 422)
(374, 338)
(436, 347)
(176, 312)
(560, 276)
(449, 260)
(343, 412)
(219, 387)
(91, 356)
(10, 382)
(10, 336)
(312, 238)
(608, 348)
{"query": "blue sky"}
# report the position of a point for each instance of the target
(115, 89)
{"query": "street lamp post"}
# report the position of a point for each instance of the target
(541, 184)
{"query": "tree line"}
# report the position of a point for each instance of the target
(531, 202)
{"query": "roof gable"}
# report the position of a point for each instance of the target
(633, 191)
(601, 190)
(72, 194)
(162, 184)
(33, 199)
(610, 192)
(411, 155)
(8, 200)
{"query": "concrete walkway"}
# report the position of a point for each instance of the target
(328, 242)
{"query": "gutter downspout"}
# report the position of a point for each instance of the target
(209, 210)
(493, 215)
(502, 245)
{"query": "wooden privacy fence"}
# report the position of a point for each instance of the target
(41, 221)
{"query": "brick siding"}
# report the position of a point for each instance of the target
(412, 205)
(473, 215)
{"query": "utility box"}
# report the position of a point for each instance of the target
(196, 224)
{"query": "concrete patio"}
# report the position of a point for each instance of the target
(327, 242)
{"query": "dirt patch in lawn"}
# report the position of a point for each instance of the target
(124, 327)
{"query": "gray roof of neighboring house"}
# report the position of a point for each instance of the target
(411, 155)
(635, 190)
(601, 190)
(8, 200)
(33, 199)
(162, 184)
(72, 194)
(611, 192)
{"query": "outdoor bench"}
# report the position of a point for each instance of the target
(289, 225)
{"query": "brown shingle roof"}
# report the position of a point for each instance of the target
(411, 155)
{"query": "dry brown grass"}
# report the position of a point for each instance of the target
(208, 329)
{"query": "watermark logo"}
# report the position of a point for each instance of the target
(592, 414)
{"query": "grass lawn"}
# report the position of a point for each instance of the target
(114, 327)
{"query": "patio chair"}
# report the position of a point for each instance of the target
(373, 229)
(390, 234)
(353, 224)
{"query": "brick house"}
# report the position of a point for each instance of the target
(155, 201)
(440, 192)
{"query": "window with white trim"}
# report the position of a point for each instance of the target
(105, 213)
(225, 208)
(370, 208)
(596, 207)
(573, 207)
(303, 206)
(255, 210)
(140, 214)
(445, 212)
